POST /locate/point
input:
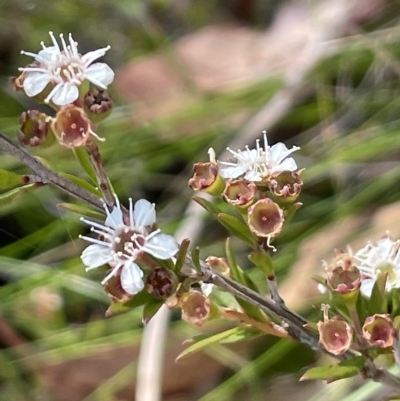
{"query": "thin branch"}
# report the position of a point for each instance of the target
(101, 174)
(47, 175)
(371, 371)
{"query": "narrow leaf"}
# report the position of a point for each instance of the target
(120, 307)
(238, 228)
(9, 179)
(263, 262)
(84, 160)
(82, 183)
(228, 336)
(239, 275)
(209, 206)
(82, 210)
(180, 259)
(150, 309)
(330, 373)
(378, 302)
(7, 197)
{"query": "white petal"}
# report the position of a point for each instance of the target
(48, 55)
(131, 278)
(232, 172)
(89, 57)
(253, 176)
(161, 246)
(144, 213)
(366, 287)
(35, 82)
(99, 74)
(206, 288)
(115, 218)
(287, 165)
(64, 94)
(95, 256)
(279, 151)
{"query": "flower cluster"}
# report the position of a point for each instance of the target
(262, 183)
(124, 240)
(360, 270)
(60, 76)
(374, 272)
(65, 69)
(255, 165)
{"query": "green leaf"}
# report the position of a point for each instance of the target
(330, 373)
(229, 336)
(236, 271)
(196, 259)
(151, 308)
(138, 300)
(378, 302)
(9, 179)
(84, 160)
(82, 210)
(239, 275)
(180, 259)
(238, 228)
(263, 262)
(82, 183)
(209, 206)
(7, 197)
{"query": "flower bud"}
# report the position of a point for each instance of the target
(219, 264)
(379, 330)
(97, 104)
(239, 193)
(196, 308)
(285, 187)
(206, 177)
(113, 289)
(342, 276)
(335, 335)
(265, 219)
(34, 126)
(161, 283)
(71, 126)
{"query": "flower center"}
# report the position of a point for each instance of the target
(129, 242)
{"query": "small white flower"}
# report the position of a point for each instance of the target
(122, 243)
(66, 69)
(373, 260)
(256, 164)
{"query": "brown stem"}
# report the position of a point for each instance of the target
(46, 174)
(265, 327)
(102, 177)
(371, 371)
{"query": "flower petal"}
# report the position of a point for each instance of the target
(161, 246)
(100, 74)
(286, 165)
(144, 213)
(115, 218)
(63, 94)
(95, 256)
(131, 278)
(232, 172)
(35, 82)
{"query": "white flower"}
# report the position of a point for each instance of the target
(256, 164)
(373, 260)
(66, 69)
(121, 243)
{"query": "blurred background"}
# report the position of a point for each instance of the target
(191, 74)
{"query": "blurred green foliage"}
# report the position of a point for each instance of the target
(346, 121)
